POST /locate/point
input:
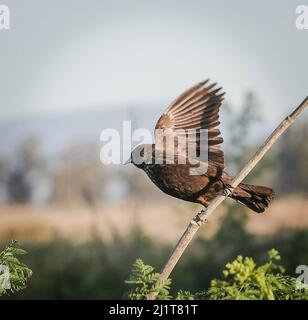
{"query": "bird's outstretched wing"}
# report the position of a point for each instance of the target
(195, 109)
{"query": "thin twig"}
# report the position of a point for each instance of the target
(202, 216)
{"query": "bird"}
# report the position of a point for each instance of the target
(192, 176)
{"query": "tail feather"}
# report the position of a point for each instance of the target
(257, 198)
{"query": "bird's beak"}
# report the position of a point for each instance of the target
(129, 160)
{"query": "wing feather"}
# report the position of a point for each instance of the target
(197, 108)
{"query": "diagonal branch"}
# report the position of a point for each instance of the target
(202, 216)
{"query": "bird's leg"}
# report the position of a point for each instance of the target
(197, 220)
(227, 188)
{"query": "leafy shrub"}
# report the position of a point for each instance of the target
(144, 279)
(18, 273)
(243, 280)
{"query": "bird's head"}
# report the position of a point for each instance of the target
(141, 155)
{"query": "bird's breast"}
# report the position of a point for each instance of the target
(176, 180)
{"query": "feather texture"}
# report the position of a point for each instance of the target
(195, 110)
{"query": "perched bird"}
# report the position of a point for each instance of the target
(194, 111)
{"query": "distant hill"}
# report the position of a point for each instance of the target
(57, 131)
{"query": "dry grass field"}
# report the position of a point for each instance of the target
(162, 223)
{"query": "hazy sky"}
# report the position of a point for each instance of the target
(73, 54)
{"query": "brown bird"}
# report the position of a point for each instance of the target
(194, 178)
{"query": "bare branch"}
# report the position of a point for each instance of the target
(202, 216)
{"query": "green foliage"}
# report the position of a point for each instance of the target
(243, 280)
(143, 279)
(18, 274)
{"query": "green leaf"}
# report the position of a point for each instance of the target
(19, 273)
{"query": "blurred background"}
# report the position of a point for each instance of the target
(69, 69)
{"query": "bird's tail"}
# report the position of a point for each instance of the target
(257, 198)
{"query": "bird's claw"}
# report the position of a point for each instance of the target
(228, 189)
(197, 221)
